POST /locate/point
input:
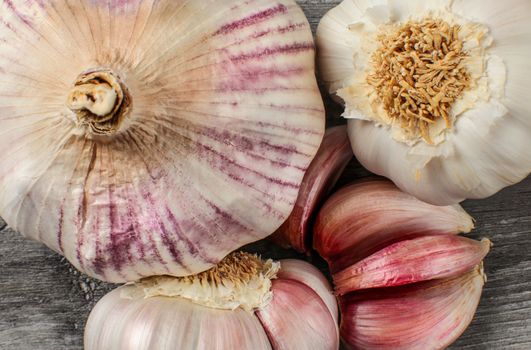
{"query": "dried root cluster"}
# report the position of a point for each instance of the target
(418, 73)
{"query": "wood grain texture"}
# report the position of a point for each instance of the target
(44, 302)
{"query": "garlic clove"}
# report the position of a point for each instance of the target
(324, 171)
(297, 318)
(364, 217)
(413, 260)
(422, 316)
(301, 271)
(164, 323)
(215, 114)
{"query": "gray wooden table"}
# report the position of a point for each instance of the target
(44, 302)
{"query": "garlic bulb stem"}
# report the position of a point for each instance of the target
(99, 99)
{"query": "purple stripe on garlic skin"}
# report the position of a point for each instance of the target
(218, 115)
(252, 19)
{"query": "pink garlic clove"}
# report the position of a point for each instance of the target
(423, 316)
(324, 171)
(413, 260)
(301, 271)
(364, 217)
(238, 304)
(297, 318)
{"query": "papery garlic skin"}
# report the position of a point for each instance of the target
(486, 149)
(140, 317)
(364, 217)
(424, 316)
(221, 117)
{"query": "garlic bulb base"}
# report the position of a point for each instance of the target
(434, 79)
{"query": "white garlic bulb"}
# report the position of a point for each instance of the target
(435, 91)
(148, 137)
(236, 305)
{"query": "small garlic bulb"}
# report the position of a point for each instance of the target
(147, 137)
(404, 278)
(435, 91)
(242, 303)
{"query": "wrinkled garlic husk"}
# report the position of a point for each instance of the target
(364, 217)
(424, 316)
(137, 136)
(486, 149)
(324, 171)
(164, 313)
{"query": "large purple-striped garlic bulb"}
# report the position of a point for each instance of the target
(143, 137)
(242, 303)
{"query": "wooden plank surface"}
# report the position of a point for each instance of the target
(44, 302)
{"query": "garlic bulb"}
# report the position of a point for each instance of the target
(239, 304)
(137, 136)
(435, 91)
(404, 278)
(324, 171)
